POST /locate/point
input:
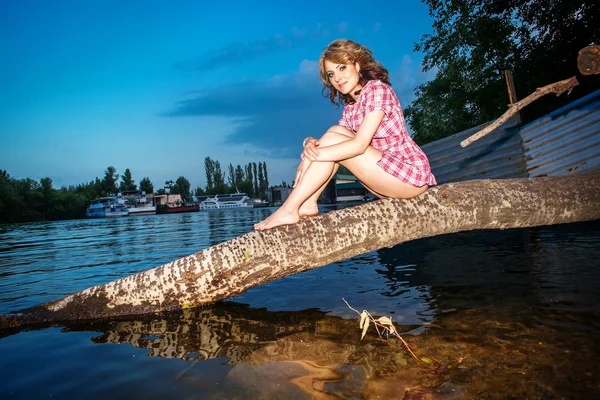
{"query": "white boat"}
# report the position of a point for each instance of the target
(226, 202)
(259, 203)
(106, 207)
(137, 203)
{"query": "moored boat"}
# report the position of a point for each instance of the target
(106, 207)
(173, 209)
(172, 204)
(258, 203)
(138, 203)
(226, 202)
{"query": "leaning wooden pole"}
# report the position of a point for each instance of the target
(557, 88)
(588, 63)
(230, 268)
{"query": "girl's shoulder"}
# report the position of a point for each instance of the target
(376, 88)
(377, 85)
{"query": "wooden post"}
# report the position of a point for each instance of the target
(512, 93)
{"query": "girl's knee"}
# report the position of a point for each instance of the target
(336, 134)
(341, 130)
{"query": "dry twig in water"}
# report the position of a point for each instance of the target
(386, 324)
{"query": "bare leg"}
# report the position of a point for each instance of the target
(310, 208)
(363, 166)
(317, 176)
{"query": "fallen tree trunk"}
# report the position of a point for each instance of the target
(230, 268)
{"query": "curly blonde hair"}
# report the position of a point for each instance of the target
(344, 51)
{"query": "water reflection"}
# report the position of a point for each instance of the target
(217, 226)
(503, 353)
(517, 308)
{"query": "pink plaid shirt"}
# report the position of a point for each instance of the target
(401, 157)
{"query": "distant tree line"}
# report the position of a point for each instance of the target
(27, 200)
(251, 179)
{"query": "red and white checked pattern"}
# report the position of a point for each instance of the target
(402, 157)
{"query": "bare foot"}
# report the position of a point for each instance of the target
(309, 210)
(279, 217)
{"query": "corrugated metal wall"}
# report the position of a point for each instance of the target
(565, 141)
(497, 155)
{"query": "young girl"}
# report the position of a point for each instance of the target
(370, 139)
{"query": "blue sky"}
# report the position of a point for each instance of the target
(157, 86)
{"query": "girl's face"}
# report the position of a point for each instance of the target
(343, 77)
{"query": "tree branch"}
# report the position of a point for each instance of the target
(557, 88)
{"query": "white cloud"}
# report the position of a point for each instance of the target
(342, 27)
(308, 67)
(407, 77)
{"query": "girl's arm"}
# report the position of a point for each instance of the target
(355, 146)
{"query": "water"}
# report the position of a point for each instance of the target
(510, 314)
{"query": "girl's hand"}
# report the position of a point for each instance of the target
(301, 171)
(310, 149)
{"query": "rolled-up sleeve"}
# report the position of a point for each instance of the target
(378, 97)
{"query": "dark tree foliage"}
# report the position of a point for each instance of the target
(109, 183)
(9, 200)
(239, 175)
(182, 187)
(473, 42)
(25, 200)
(251, 179)
(209, 167)
(127, 182)
(90, 190)
(261, 182)
(255, 187)
(249, 184)
(266, 177)
(146, 185)
(231, 175)
(219, 180)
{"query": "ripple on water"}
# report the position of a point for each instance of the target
(521, 305)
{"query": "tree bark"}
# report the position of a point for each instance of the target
(231, 268)
(588, 60)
